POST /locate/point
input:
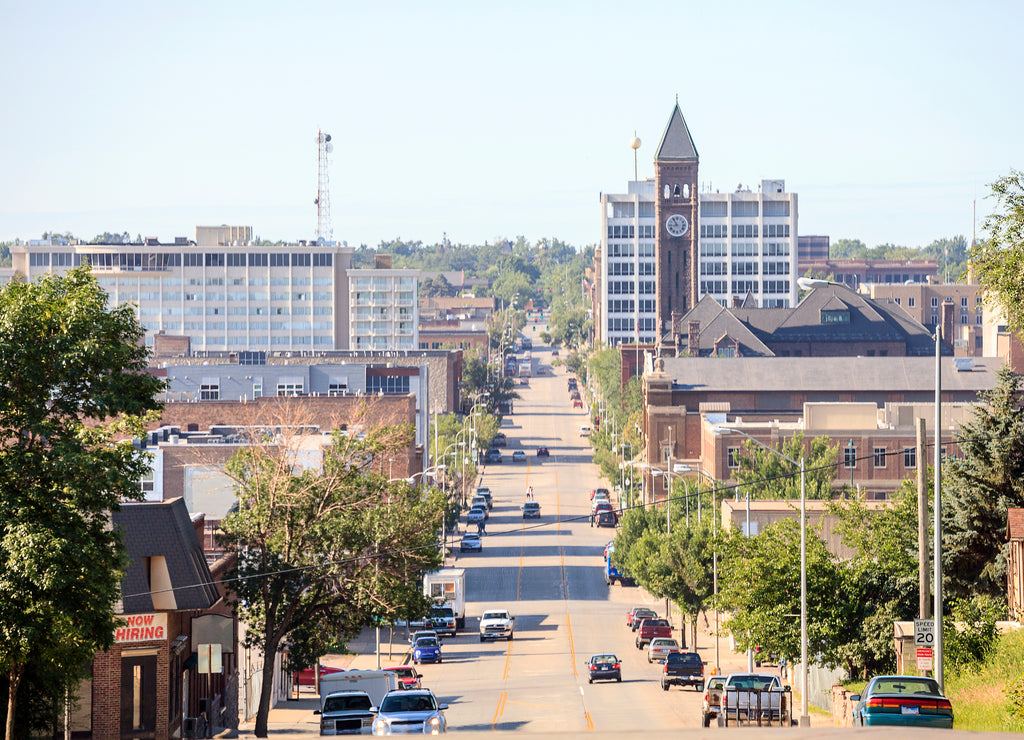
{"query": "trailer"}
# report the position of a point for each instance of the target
(447, 587)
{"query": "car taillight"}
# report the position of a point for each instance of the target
(617, 665)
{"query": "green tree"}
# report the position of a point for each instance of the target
(773, 477)
(318, 556)
(759, 585)
(999, 260)
(978, 490)
(74, 380)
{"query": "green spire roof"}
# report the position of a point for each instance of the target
(676, 142)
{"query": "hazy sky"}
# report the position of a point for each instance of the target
(489, 121)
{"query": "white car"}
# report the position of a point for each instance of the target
(410, 711)
(471, 542)
(584, 431)
(495, 623)
(660, 647)
(474, 516)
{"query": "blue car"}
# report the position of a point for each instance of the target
(902, 701)
(426, 650)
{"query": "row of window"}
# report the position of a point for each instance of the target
(744, 249)
(741, 287)
(628, 287)
(880, 455)
(625, 249)
(626, 231)
(158, 261)
(626, 324)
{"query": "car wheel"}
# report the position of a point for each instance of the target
(664, 686)
(705, 719)
(590, 680)
(510, 637)
(619, 679)
(649, 659)
(438, 660)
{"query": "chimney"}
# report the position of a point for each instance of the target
(737, 301)
(693, 339)
(947, 321)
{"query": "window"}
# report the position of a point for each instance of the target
(911, 301)
(337, 388)
(39, 259)
(744, 208)
(935, 302)
(849, 457)
(257, 390)
(713, 209)
(209, 389)
(215, 259)
(744, 231)
(236, 260)
(302, 260)
(776, 208)
(279, 260)
(910, 457)
(963, 302)
(258, 260)
(387, 384)
(292, 387)
(835, 317)
(731, 457)
(323, 260)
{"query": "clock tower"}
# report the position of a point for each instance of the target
(676, 230)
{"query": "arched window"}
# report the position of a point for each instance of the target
(686, 191)
(675, 192)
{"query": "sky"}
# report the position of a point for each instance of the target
(485, 121)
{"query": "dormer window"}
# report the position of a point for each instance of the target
(835, 317)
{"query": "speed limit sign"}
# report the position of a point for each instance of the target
(924, 632)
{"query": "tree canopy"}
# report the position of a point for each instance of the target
(73, 374)
(318, 555)
(999, 260)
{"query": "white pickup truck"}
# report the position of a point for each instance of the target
(495, 623)
(755, 698)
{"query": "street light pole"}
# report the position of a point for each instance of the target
(805, 718)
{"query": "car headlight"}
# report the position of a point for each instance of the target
(416, 653)
(434, 721)
(379, 726)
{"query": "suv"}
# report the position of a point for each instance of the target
(683, 669)
(500, 440)
(651, 628)
(531, 510)
(412, 710)
(493, 455)
(496, 623)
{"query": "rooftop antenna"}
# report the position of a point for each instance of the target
(324, 230)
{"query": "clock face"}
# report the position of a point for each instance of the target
(676, 224)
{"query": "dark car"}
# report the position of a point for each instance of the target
(607, 519)
(902, 701)
(500, 440)
(543, 452)
(604, 667)
(493, 456)
(683, 669)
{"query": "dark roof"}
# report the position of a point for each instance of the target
(163, 529)
(829, 374)
(716, 322)
(676, 142)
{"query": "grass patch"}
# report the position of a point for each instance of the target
(979, 697)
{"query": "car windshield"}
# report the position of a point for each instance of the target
(664, 642)
(426, 642)
(359, 702)
(603, 659)
(408, 703)
(494, 615)
(442, 611)
(655, 623)
(405, 672)
(906, 685)
(755, 683)
(531, 505)
(686, 658)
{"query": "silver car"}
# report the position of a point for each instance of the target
(410, 711)
(471, 542)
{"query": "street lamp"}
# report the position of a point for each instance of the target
(804, 711)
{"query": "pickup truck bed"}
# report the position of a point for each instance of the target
(755, 698)
(651, 628)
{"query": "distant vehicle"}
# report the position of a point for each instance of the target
(571, 383)
(604, 667)
(410, 712)
(585, 430)
(527, 343)
(554, 353)
(902, 701)
(600, 493)
(424, 633)
(543, 452)
(711, 702)
(607, 519)
(500, 440)
(493, 456)
(474, 516)
(518, 456)
(495, 623)
(650, 629)
(478, 499)
(578, 404)
(442, 619)
(531, 510)
(684, 669)
(447, 587)
(660, 648)
(426, 650)
(486, 493)
(471, 542)
(634, 615)
(408, 677)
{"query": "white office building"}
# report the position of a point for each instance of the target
(747, 245)
(384, 313)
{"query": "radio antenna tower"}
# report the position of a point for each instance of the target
(324, 230)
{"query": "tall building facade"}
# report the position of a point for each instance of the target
(746, 244)
(384, 312)
(664, 245)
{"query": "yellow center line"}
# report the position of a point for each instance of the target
(572, 646)
(500, 708)
(508, 657)
(590, 722)
(543, 706)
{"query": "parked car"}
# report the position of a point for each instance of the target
(607, 519)
(518, 456)
(660, 647)
(486, 493)
(683, 669)
(641, 611)
(474, 516)
(604, 667)
(531, 510)
(346, 713)
(478, 499)
(578, 404)
(410, 711)
(600, 505)
(482, 507)
(902, 701)
(711, 702)
(640, 615)
(493, 456)
(543, 452)
(406, 676)
(471, 542)
(426, 650)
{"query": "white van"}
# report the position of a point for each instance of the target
(585, 431)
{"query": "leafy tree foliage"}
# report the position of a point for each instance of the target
(72, 371)
(999, 260)
(969, 632)
(950, 253)
(772, 477)
(978, 490)
(318, 556)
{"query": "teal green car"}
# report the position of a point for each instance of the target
(902, 701)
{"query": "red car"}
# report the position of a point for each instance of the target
(407, 676)
(577, 403)
(638, 613)
(307, 676)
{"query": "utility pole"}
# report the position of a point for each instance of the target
(922, 521)
(937, 547)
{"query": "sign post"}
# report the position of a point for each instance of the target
(924, 641)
